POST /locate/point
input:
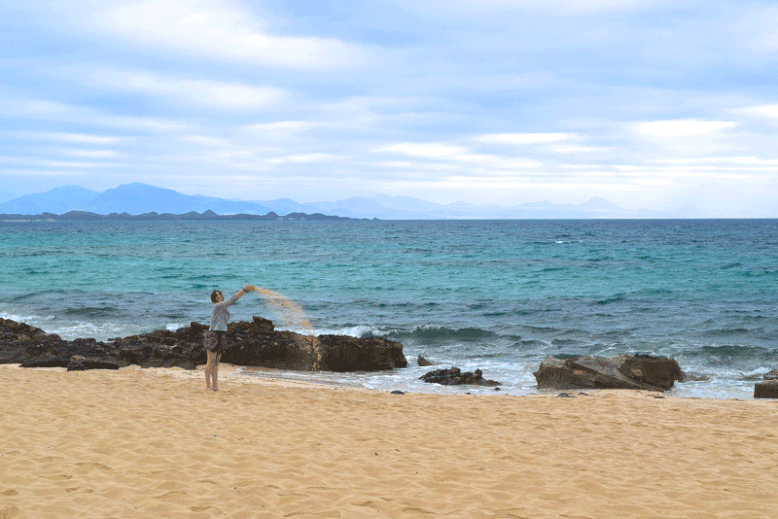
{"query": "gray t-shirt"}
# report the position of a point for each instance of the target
(220, 315)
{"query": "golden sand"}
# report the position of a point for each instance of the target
(145, 443)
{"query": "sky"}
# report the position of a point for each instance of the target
(647, 103)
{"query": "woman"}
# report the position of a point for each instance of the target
(216, 336)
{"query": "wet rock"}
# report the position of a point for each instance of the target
(79, 363)
(421, 361)
(455, 377)
(46, 361)
(688, 376)
(771, 375)
(254, 343)
(621, 372)
(767, 389)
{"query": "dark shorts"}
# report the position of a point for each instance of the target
(215, 341)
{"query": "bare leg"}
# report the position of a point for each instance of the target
(212, 371)
(215, 371)
(209, 370)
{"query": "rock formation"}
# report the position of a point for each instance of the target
(621, 372)
(251, 344)
(455, 377)
(767, 389)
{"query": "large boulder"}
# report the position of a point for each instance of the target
(621, 372)
(455, 377)
(767, 389)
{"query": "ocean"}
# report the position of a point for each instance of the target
(498, 296)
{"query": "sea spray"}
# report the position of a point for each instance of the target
(292, 314)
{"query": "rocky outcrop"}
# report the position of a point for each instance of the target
(455, 377)
(421, 361)
(767, 389)
(255, 343)
(621, 372)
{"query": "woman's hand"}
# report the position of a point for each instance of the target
(249, 288)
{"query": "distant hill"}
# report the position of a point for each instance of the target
(133, 199)
(138, 199)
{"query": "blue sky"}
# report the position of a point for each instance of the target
(648, 103)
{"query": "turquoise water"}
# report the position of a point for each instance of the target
(495, 295)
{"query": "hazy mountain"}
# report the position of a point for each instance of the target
(130, 198)
(57, 201)
(142, 198)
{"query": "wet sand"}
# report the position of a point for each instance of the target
(152, 443)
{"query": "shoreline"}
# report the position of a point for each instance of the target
(151, 442)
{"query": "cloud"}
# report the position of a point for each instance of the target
(550, 7)
(304, 158)
(36, 109)
(197, 92)
(423, 150)
(765, 111)
(522, 138)
(683, 127)
(70, 138)
(757, 29)
(221, 30)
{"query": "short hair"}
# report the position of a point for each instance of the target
(214, 296)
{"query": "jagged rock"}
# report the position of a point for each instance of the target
(46, 361)
(455, 377)
(421, 361)
(79, 363)
(621, 372)
(767, 389)
(687, 376)
(345, 353)
(253, 343)
(771, 375)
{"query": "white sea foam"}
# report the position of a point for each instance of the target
(359, 331)
(172, 327)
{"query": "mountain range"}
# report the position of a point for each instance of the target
(140, 198)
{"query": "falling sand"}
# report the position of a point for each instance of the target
(292, 315)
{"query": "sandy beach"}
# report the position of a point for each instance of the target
(153, 443)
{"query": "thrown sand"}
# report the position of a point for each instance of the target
(155, 444)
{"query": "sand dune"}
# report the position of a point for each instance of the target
(153, 443)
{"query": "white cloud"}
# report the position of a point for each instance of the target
(522, 138)
(757, 30)
(683, 127)
(221, 30)
(304, 158)
(70, 138)
(424, 150)
(36, 109)
(454, 8)
(768, 111)
(198, 92)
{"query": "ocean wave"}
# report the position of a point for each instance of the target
(91, 311)
(434, 332)
(27, 319)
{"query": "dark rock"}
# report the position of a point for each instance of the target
(455, 377)
(771, 375)
(767, 389)
(687, 376)
(621, 372)
(421, 361)
(344, 353)
(253, 343)
(45, 362)
(79, 363)
(565, 395)
(398, 392)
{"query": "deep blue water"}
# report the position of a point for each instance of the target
(495, 295)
